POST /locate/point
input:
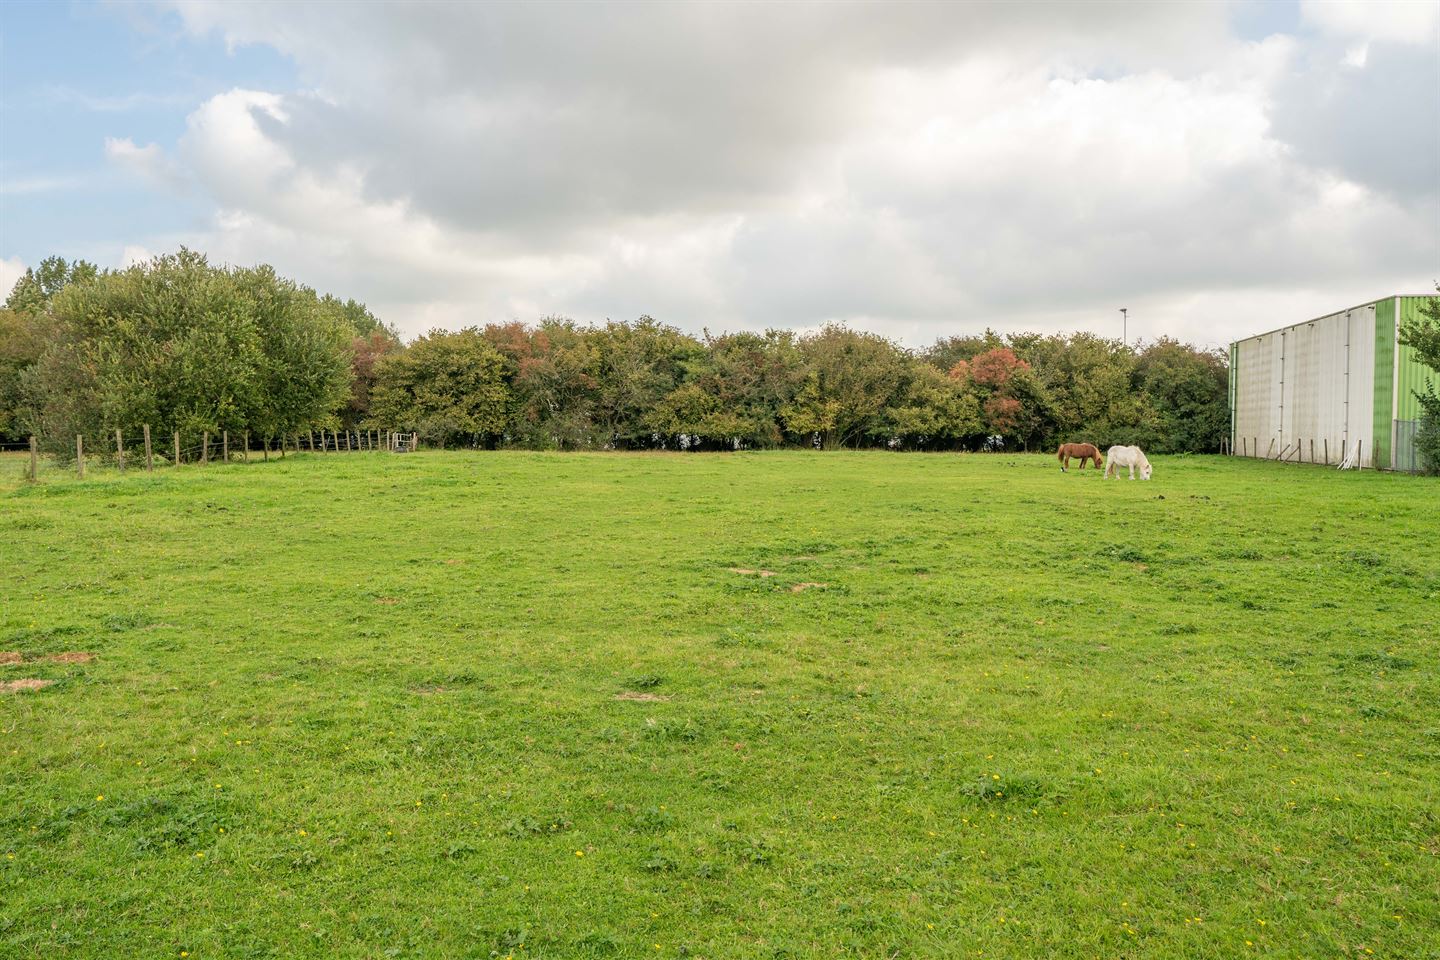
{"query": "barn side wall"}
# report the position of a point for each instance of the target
(1306, 393)
(1411, 378)
(1384, 412)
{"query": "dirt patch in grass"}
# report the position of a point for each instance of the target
(11, 658)
(28, 683)
(642, 697)
(802, 587)
(748, 572)
(387, 601)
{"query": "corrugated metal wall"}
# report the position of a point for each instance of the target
(1360, 384)
(1384, 410)
(1411, 378)
(1257, 376)
(1305, 393)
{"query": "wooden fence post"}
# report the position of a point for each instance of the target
(205, 448)
(119, 450)
(311, 434)
(225, 446)
(1326, 441)
(245, 450)
(80, 455)
(176, 439)
(34, 459)
(267, 450)
(149, 459)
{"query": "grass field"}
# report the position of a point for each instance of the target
(511, 704)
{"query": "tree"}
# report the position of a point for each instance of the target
(1087, 382)
(945, 352)
(1187, 396)
(933, 410)
(448, 387)
(734, 391)
(849, 380)
(636, 365)
(37, 287)
(552, 372)
(1422, 334)
(304, 375)
(1012, 402)
(178, 344)
(23, 338)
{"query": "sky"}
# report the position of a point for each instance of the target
(914, 169)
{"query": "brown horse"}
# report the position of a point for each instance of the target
(1087, 452)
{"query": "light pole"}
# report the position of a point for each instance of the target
(1125, 325)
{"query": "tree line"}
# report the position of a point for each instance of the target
(185, 345)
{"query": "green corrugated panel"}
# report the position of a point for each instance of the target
(1384, 379)
(1234, 355)
(1413, 373)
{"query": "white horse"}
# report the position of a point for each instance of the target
(1131, 457)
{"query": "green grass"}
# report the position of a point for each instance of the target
(366, 706)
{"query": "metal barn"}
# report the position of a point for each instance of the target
(1336, 386)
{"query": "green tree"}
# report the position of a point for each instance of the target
(23, 339)
(849, 381)
(1422, 334)
(305, 369)
(933, 410)
(636, 365)
(1087, 382)
(945, 352)
(37, 287)
(1186, 392)
(178, 344)
(448, 387)
(733, 392)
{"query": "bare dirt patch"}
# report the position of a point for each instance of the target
(387, 601)
(748, 572)
(801, 587)
(451, 563)
(642, 697)
(8, 657)
(28, 683)
(71, 656)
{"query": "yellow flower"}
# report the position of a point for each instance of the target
(99, 797)
(579, 853)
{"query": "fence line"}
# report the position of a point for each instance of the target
(353, 441)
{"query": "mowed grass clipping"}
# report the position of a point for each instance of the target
(722, 706)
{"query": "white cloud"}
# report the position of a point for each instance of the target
(1415, 22)
(916, 169)
(11, 270)
(148, 162)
